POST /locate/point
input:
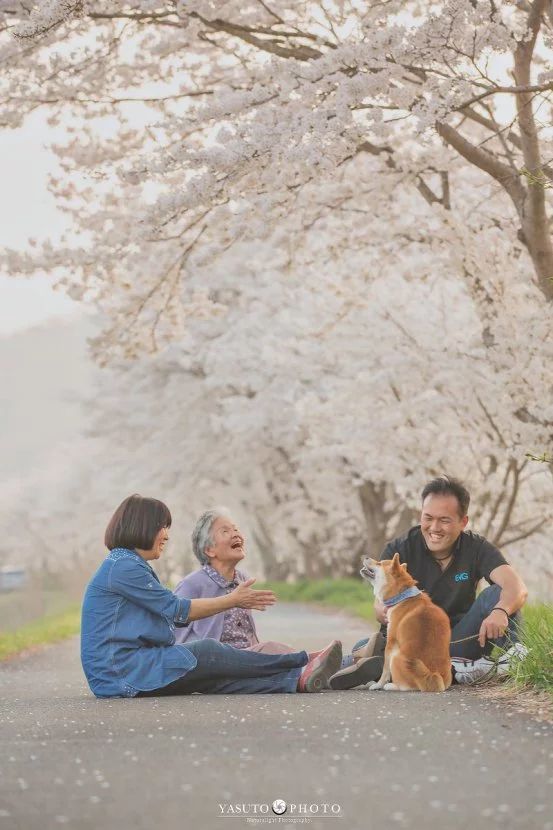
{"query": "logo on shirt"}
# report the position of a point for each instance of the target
(462, 577)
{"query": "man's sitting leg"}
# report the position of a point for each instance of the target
(470, 661)
(470, 625)
(363, 665)
(373, 646)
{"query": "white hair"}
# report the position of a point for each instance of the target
(201, 535)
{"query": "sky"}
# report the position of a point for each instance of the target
(27, 209)
(26, 303)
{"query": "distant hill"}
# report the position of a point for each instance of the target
(44, 372)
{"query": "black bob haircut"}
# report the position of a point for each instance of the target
(447, 486)
(136, 523)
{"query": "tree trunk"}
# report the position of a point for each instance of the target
(272, 568)
(383, 522)
(533, 211)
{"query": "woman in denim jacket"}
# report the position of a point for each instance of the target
(128, 621)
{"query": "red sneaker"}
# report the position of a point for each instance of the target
(317, 673)
(312, 655)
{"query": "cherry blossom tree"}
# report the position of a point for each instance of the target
(330, 221)
(290, 103)
(252, 105)
(323, 450)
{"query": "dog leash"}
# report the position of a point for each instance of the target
(464, 639)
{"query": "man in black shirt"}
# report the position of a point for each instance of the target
(448, 562)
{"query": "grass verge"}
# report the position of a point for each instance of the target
(528, 688)
(347, 594)
(536, 670)
(48, 629)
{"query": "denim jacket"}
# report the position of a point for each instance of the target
(127, 629)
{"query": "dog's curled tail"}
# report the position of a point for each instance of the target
(434, 683)
(427, 681)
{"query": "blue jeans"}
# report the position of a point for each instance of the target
(467, 626)
(223, 670)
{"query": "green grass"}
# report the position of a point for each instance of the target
(17, 608)
(535, 671)
(48, 629)
(349, 594)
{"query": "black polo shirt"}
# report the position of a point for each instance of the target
(454, 589)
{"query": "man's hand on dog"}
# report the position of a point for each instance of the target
(494, 626)
(381, 612)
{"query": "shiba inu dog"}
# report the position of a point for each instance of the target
(417, 649)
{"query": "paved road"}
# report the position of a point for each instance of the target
(385, 760)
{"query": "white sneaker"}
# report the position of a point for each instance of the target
(516, 653)
(467, 672)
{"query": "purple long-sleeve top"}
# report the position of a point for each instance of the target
(227, 626)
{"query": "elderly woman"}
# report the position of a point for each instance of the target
(218, 545)
(128, 619)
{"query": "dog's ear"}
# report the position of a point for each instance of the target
(404, 565)
(396, 563)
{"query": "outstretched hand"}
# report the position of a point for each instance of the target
(493, 627)
(246, 597)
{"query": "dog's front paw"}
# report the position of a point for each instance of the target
(375, 686)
